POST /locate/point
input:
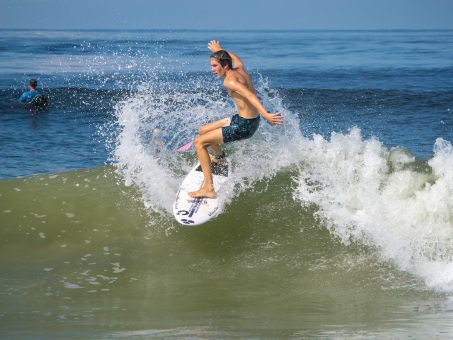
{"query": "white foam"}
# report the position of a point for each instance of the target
(178, 115)
(380, 198)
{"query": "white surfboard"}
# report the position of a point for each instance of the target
(195, 211)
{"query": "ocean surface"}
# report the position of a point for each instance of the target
(338, 224)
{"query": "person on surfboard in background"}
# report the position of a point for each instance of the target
(28, 96)
(241, 126)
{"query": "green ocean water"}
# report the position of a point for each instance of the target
(81, 257)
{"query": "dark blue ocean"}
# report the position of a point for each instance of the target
(393, 85)
(339, 224)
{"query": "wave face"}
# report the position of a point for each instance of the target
(306, 250)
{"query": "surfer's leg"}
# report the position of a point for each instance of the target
(213, 126)
(213, 137)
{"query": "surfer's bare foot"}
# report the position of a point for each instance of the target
(203, 193)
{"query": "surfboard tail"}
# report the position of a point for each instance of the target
(185, 147)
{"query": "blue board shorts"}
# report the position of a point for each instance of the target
(240, 128)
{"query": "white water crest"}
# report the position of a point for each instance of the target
(386, 200)
(158, 113)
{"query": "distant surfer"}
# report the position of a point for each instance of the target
(156, 142)
(29, 95)
(241, 126)
(33, 98)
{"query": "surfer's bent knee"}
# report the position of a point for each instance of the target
(201, 142)
(198, 142)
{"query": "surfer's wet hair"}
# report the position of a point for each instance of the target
(33, 83)
(223, 58)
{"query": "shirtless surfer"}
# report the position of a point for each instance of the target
(241, 126)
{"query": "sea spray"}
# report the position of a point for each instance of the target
(177, 115)
(384, 199)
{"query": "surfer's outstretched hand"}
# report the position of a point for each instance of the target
(275, 119)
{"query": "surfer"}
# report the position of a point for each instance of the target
(241, 126)
(156, 142)
(32, 92)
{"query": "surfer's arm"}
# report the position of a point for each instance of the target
(242, 90)
(21, 99)
(237, 62)
(214, 46)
